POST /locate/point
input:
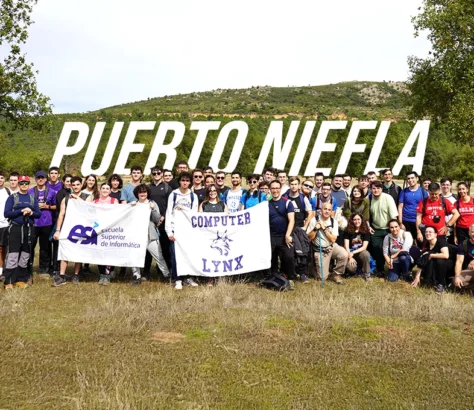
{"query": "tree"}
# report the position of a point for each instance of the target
(19, 97)
(442, 85)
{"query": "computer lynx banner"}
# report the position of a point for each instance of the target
(218, 244)
(75, 135)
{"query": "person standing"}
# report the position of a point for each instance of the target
(382, 210)
(408, 201)
(179, 199)
(13, 182)
(4, 194)
(21, 208)
(390, 187)
(282, 222)
(126, 195)
(181, 166)
(232, 196)
(43, 225)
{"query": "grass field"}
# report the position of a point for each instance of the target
(236, 346)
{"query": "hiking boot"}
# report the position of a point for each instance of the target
(190, 282)
(337, 279)
(21, 285)
(178, 285)
(9, 286)
(439, 289)
(75, 280)
(304, 278)
(59, 281)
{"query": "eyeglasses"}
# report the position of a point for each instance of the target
(220, 178)
(254, 181)
(308, 186)
(24, 183)
(156, 172)
(198, 176)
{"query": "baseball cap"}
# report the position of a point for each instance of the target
(40, 174)
(24, 178)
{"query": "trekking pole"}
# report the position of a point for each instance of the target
(321, 259)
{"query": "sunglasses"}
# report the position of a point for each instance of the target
(24, 183)
(253, 181)
(198, 176)
(40, 177)
(308, 186)
(220, 178)
(156, 172)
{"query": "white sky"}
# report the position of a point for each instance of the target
(94, 54)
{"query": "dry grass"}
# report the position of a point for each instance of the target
(235, 346)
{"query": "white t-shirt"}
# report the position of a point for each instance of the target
(3, 199)
(233, 200)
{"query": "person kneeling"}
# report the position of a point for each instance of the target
(396, 247)
(323, 233)
(434, 264)
(356, 241)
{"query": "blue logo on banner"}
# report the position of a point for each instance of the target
(84, 235)
(221, 243)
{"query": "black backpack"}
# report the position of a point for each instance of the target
(277, 282)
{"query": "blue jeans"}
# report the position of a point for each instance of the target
(400, 268)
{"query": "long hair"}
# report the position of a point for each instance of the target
(95, 189)
(351, 229)
(360, 190)
(208, 191)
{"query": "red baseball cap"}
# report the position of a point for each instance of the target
(24, 178)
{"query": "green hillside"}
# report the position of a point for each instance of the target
(32, 148)
(356, 100)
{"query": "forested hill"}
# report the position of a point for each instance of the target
(352, 100)
(32, 148)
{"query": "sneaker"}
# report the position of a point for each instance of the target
(304, 278)
(337, 279)
(101, 279)
(75, 280)
(9, 286)
(2, 278)
(59, 281)
(439, 289)
(368, 278)
(106, 281)
(190, 282)
(135, 281)
(112, 275)
(145, 279)
(21, 285)
(178, 285)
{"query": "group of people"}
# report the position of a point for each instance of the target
(317, 228)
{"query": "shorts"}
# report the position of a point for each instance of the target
(4, 236)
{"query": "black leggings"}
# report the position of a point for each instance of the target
(437, 272)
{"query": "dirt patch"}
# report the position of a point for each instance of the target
(167, 337)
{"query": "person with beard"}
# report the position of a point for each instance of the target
(346, 183)
(318, 183)
(220, 181)
(232, 196)
(390, 187)
(337, 191)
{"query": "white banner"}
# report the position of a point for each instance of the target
(217, 244)
(104, 234)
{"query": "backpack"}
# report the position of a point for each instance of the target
(317, 201)
(175, 196)
(8, 191)
(443, 203)
(277, 282)
(46, 192)
(224, 195)
(247, 196)
(16, 200)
